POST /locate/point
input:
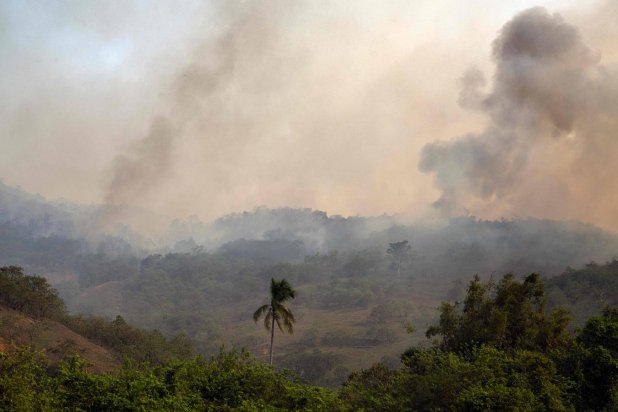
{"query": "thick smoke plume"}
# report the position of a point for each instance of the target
(271, 106)
(218, 107)
(205, 119)
(148, 161)
(550, 144)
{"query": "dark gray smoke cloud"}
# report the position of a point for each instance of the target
(551, 117)
(135, 173)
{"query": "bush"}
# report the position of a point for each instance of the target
(228, 381)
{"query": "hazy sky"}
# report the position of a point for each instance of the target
(211, 107)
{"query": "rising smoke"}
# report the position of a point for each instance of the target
(275, 108)
(220, 107)
(550, 142)
(140, 170)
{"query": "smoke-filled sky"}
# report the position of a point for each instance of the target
(496, 109)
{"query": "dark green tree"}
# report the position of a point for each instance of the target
(276, 311)
(29, 294)
(507, 315)
(592, 363)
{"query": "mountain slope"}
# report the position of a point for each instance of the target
(54, 338)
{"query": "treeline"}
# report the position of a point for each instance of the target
(111, 259)
(226, 382)
(33, 296)
(497, 349)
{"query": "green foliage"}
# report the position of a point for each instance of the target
(591, 362)
(501, 351)
(226, 382)
(375, 389)
(585, 291)
(29, 294)
(485, 379)
(129, 341)
(508, 315)
(513, 356)
(24, 384)
(33, 296)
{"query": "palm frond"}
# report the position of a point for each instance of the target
(284, 311)
(278, 323)
(289, 326)
(286, 316)
(268, 319)
(258, 313)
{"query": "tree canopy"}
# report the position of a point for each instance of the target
(509, 314)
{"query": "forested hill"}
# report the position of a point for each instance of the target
(355, 299)
(585, 291)
(516, 244)
(34, 215)
(497, 349)
(32, 314)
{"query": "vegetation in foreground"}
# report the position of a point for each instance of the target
(499, 349)
(32, 313)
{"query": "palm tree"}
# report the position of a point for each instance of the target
(276, 311)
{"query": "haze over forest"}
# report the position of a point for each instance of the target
(162, 164)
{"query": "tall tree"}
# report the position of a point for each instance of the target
(399, 252)
(277, 312)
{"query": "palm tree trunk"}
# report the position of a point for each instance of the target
(272, 338)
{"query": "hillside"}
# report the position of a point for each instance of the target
(32, 314)
(355, 301)
(585, 291)
(500, 350)
(56, 340)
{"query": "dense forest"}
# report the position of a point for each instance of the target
(499, 348)
(357, 300)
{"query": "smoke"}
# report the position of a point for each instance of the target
(197, 113)
(220, 107)
(550, 140)
(273, 107)
(137, 172)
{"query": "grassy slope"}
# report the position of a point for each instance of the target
(237, 329)
(52, 337)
